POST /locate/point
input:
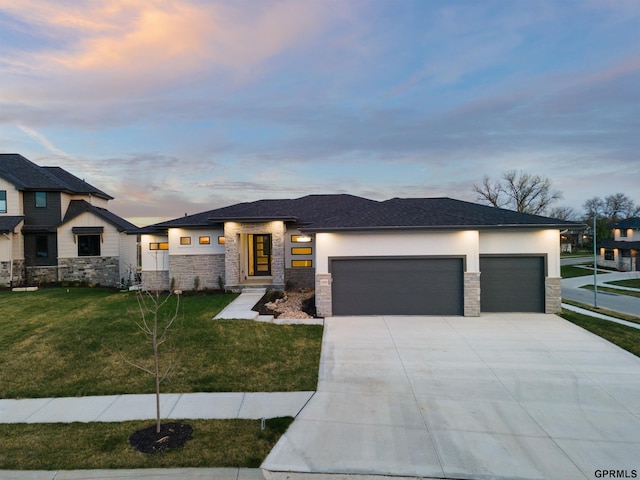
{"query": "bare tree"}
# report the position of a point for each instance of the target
(156, 326)
(564, 213)
(490, 192)
(518, 191)
(618, 206)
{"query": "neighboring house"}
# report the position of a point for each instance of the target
(425, 256)
(622, 252)
(56, 227)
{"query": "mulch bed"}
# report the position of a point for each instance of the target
(172, 435)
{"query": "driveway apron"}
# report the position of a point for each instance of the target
(504, 396)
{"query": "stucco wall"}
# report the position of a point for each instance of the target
(463, 243)
(154, 260)
(543, 242)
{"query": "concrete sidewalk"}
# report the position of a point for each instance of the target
(120, 408)
(137, 474)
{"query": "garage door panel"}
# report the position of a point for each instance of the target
(512, 284)
(397, 286)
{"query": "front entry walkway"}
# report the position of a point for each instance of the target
(502, 396)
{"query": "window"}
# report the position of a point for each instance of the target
(3, 201)
(301, 263)
(185, 240)
(88, 245)
(221, 240)
(41, 199)
(300, 239)
(159, 246)
(301, 251)
(623, 232)
(609, 255)
(204, 240)
(42, 246)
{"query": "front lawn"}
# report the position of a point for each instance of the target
(631, 283)
(572, 271)
(67, 342)
(88, 446)
(623, 336)
(617, 291)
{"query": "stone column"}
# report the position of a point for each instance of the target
(472, 294)
(552, 294)
(323, 294)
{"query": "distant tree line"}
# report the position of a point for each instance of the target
(527, 193)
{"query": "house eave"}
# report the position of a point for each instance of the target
(253, 219)
(312, 229)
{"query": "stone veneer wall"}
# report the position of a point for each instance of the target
(6, 273)
(155, 280)
(103, 271)
(208, 268)
(553, 295)
(323, 294)
(232, 232)
(39, 275)
(472, 294)
(299, 277)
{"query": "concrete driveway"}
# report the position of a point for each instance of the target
(517, 396)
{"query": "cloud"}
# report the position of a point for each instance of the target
(42, 140)
(136, 46)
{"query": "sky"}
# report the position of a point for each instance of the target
(182, 106)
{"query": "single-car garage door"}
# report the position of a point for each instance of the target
(512, 284)
(397, 286)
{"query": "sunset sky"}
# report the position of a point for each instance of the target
(176, 106)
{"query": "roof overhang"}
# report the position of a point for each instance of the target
(87, 230)
(252, 219)
(312, 229)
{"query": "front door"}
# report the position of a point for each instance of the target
(260, 250)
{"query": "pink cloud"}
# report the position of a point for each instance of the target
(160, 40)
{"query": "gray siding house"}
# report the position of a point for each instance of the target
(56, 227)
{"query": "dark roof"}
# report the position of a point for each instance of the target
(633, 222)
(611, 244)
(8, 223)
(74, 184)
(26, 175)
(316, 213)
(78, 207)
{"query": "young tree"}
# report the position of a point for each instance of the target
(518, 191)
(157, 317)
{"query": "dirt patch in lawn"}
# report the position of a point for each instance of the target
(171, 435)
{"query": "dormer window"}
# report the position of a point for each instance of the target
(3, 201)
(41, 199)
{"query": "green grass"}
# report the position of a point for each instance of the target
(631, 283)
(604, 311)
(572, 271)
(67, 342)
(57, 446)
(617, 291)
(623, 336)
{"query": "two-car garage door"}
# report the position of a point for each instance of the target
(397, 286)
(434, 285)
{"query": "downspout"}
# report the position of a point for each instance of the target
(10, 238)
